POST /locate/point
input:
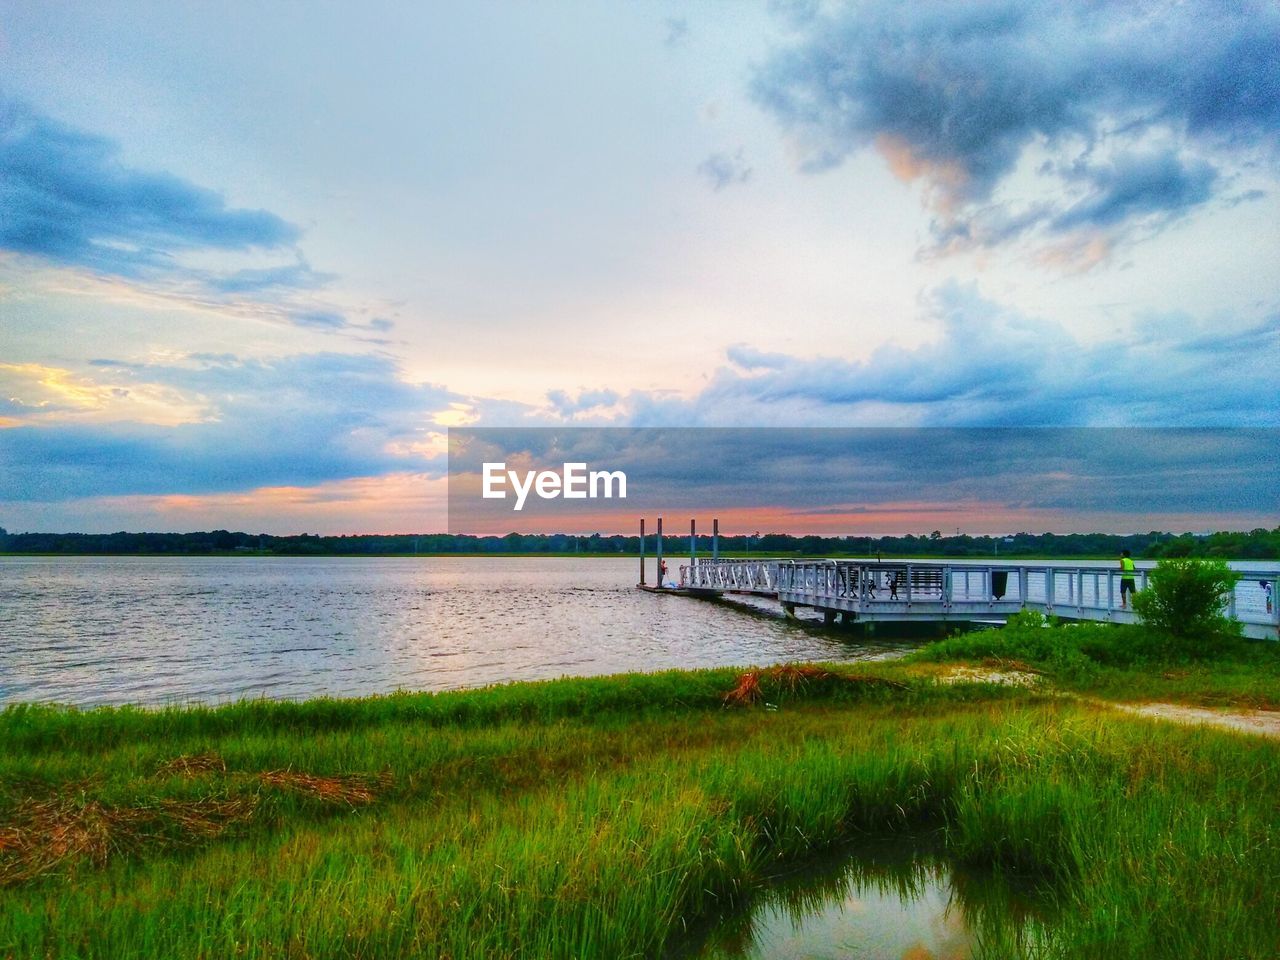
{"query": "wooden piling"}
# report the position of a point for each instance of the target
(658, 551)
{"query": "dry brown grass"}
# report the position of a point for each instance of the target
(43, 836)
(790, 677)
(1011, 664)
(48, 833)
(352, 790)
(193, 765)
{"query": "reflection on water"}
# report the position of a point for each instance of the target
(888, 900)
(90, 630)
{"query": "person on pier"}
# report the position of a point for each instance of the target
(1128, 585)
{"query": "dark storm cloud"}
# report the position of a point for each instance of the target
(1136, 186)
(957, 93)
(67, 197)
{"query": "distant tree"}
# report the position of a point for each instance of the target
(812, 545)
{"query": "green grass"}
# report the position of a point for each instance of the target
(1122, 662)
(602, 818)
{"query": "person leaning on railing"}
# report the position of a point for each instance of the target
(1127, 582)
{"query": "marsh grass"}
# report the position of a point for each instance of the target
(1126, 662)
(606, 818)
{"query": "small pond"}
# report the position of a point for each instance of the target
(876, 901)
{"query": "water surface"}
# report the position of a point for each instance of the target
(104, 630)
(883, 900)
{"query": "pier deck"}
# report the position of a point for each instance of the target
(923, 590)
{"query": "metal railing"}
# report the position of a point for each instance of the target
(920, 588)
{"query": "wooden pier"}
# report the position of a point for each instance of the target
(905, 591)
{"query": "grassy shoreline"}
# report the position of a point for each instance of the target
(602, 817)
(1124, 662)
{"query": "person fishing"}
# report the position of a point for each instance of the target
(1128, 584)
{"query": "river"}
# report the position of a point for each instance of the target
(153, 630)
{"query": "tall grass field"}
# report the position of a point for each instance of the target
(609, 817)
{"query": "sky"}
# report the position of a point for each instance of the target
(257, 259)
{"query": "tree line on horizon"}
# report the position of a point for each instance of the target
(1257, 544)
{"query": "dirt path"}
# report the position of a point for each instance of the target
(1010, 678)
(1263, 723)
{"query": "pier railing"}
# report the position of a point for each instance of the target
(933, 590)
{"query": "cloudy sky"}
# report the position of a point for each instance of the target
(256, 258)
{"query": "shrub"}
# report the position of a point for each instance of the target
(1027, 637)
(1184, 599)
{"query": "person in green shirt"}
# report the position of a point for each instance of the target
(1127, 582)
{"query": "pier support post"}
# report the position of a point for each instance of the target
(715, 540)
(829, 617)
(693, 552)
(790, 610)
(658, 552)
(642, 551)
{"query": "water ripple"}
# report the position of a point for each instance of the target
(154, 630)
